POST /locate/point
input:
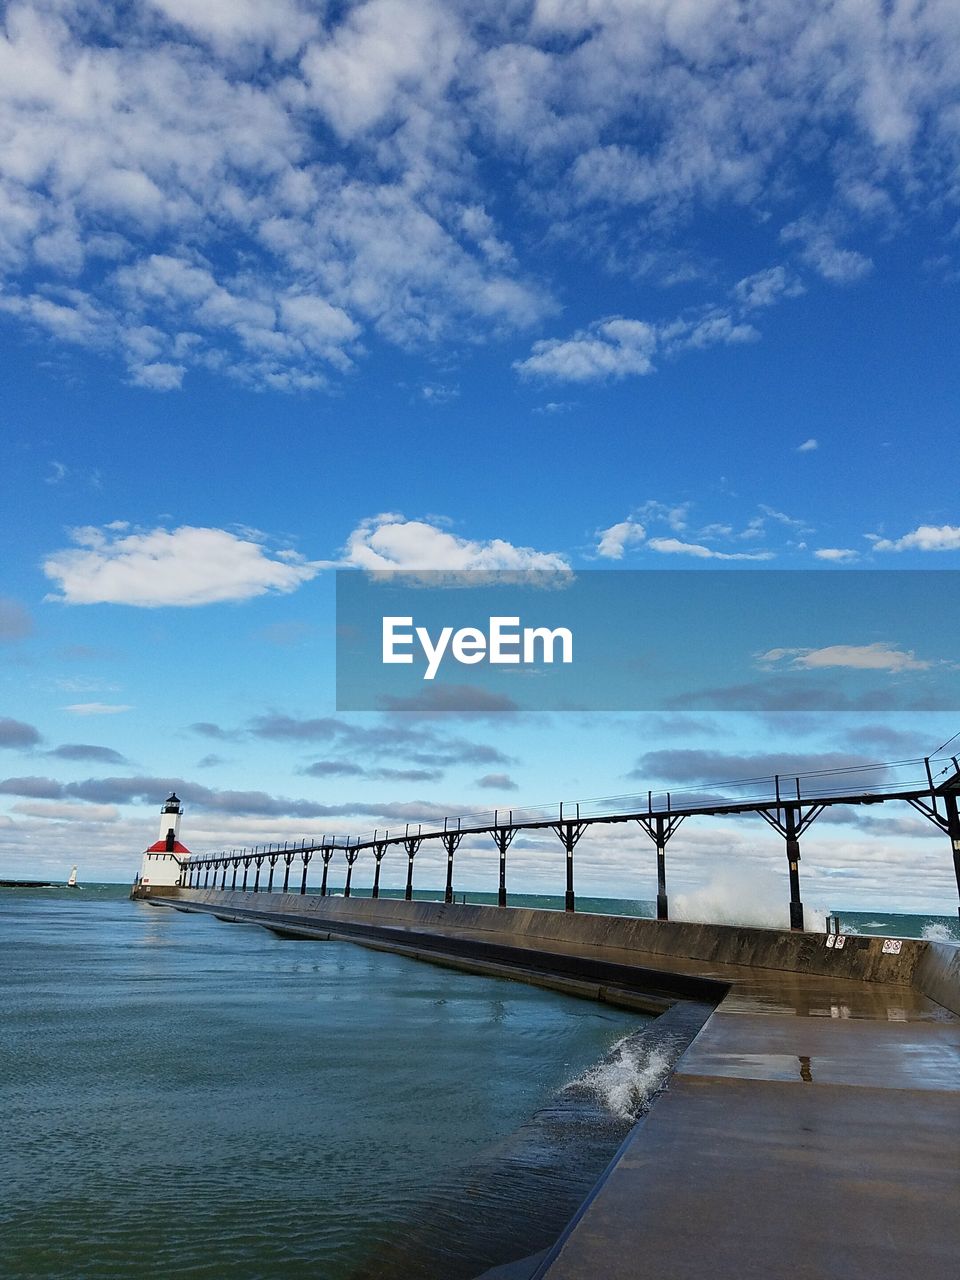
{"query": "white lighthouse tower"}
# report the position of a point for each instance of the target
(162, 862)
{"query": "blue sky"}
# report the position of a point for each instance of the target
(627, 285)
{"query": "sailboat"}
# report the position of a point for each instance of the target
(72, 881)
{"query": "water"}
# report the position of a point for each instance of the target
(185, 1097)
(897, 924)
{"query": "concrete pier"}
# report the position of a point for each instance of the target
(810, 1129)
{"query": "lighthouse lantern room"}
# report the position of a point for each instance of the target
(163, 862)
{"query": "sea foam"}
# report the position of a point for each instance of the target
(626, 1079)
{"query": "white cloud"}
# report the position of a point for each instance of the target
(674, 546)
(835, 553)
(781, 517)
(618, 348)
(808, 445)
(232, 26)
(351, 146)
(618, 537)
(612, 348)
(184, 566)
(928, 537)
(765, 288)
(880, 656)
(820, 250)
(383, 60)
(96, 709)
(66, 812)
(390, 541)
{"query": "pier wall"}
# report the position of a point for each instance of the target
(712, 951)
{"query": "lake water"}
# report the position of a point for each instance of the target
(185, 1097)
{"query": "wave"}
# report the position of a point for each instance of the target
(626, 1079)
(934, 931)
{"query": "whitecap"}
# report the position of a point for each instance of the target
(627, 1078)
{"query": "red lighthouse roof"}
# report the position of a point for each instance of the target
(161, 847)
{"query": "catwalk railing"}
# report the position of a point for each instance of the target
(789, 804)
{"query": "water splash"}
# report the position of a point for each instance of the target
(753, 896)
(626, 1079)
(934, 931)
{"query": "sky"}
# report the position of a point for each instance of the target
(295, 288)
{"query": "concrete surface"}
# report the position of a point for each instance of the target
(791, 1146)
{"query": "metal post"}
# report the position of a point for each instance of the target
(408, 891)
(223, 881)
(793, 859)
(326, 855)
(206, 877)
(661, 843)
(233, 882)
(503, 837)
(411, 844)
(306, 855)
(272, 859)
(351, 855)
(258, 859)
(246, 872)
(378, 851)
(953, 831)
(570, 901)
(286, 871)
(451, 839)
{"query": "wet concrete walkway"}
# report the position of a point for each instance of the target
(807, 1133)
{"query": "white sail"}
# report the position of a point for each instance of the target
(72, 882)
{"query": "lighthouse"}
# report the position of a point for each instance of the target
(162, 862)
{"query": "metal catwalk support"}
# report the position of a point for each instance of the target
(451, 842)
(233, 882)
(379, 849)
(949, 820)
(305, 857)
(569, 834)
(288, 857)
(411, 844)
(953, 831)
(223, 881)
(246, 872)
(503, 838)
(326, 853)
(791, 825)
(789, 815)
(660, 827)
(351, 856)
(273, 859)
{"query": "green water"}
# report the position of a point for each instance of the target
(185, 1097)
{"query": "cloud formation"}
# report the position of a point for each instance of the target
(259, 190)
(185, 566)
(87, 752)
(618, 348)
(390, 541)
(18, 735)
(927, 537)
(614, 541)
(879, 656)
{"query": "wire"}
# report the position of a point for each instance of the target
(947, 743)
